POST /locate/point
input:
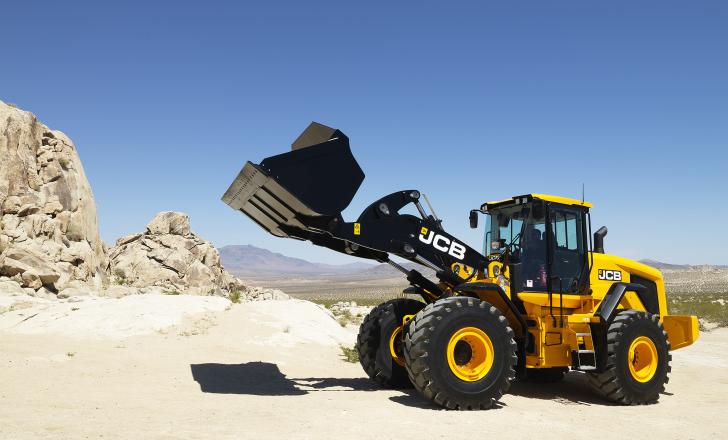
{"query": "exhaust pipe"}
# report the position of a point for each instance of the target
(599, 240)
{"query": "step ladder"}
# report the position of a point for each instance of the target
(585, 357)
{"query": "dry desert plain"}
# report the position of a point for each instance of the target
(182, 367)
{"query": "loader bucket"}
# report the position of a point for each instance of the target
(287, 192)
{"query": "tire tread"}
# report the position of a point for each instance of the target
(368, 341)
(607, 383)
(418, 340)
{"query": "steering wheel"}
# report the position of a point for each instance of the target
(510, 248)
(512, 244)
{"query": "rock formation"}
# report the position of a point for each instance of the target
(170, 256)
(49, 237)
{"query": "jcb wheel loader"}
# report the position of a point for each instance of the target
(542, 299)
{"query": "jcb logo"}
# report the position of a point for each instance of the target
(610, 275)
(442, 243)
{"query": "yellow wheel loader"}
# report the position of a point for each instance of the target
(541, 300)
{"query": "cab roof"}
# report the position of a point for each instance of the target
(525, 198)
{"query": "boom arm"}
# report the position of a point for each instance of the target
(301, 194)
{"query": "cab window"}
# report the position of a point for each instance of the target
(568, 253)
(565, 230)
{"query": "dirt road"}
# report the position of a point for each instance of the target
(266, 371)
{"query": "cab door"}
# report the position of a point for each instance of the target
(566, 234)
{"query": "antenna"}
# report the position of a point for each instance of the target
(582, 192)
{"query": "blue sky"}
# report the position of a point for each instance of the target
(466, 101)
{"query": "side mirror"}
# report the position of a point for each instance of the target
(599, 239)
(474, 218)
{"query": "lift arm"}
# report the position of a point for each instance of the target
(300, 195)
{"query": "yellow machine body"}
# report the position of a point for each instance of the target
(567, 304)
(560, 324)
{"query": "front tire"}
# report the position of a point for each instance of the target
(460, 353)
(638, 361)
(380, 342)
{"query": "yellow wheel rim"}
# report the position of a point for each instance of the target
(470, 354)
(642, 359)
(395, 346)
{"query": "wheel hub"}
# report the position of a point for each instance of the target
(463, 353)
(396, 346)
(642, 359)
(470, 354)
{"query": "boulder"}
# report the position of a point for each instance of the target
(175, 223)
(169, 256)
(8, 287)
(264, 294)
(44, 293)
(53, 207)
(33, 267)
(127, 239)
(49, 236)
(31, 280)
(11, 205)
(72, 292)
(48, 228)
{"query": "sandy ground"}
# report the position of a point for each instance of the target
(273, 369)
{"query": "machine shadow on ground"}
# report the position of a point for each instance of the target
(412, 398)
(572, 390)
(266, 379)
(254, 378)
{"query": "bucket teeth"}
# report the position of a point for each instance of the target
(266, 202)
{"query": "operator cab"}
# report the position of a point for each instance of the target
(543, 240)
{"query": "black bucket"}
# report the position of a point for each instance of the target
(318, 178)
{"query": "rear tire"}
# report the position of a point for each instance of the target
(545, 375)
(373, 343)
(460, 353)
(638, 361)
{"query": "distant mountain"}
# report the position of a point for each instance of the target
(253, 262)
(387, 271)
(247, 260)
(662, 266)
(668, 266)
